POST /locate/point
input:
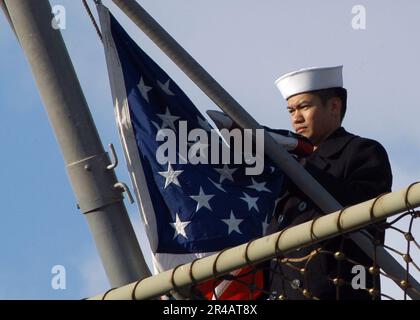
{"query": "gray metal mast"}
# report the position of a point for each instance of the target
(92, 177)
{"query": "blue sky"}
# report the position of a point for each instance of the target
(245, 45)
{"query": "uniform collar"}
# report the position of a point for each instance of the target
(334, 143)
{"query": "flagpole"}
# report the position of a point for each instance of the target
(311, 187)
(93, 180)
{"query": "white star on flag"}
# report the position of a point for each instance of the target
(251, 201)
(168, 120)
(179, 227)
(225, 173)
(202, 200)
(144, 89)
(258, 186)
(171, 176)
(165, 88)
(233, 223)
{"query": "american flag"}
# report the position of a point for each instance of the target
(189, 211)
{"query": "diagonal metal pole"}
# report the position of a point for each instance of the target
(231, 107)
(93, 179)
(7, 15)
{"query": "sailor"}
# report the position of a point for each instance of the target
(351, 168)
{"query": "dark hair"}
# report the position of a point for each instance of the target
(326, 94)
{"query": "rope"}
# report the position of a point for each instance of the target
(284, 278)
(92, 18)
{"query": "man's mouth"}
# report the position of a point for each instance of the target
(301, 129)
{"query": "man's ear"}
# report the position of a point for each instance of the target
(335, 107)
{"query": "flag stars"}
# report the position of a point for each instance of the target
(144, 89)
(258, 186)
(179, 227)
(197, 223)
(225, 173)
(171, 176)
(233, 223)
(202, 200)
(251, 201)
(168, 120)
(165, 87)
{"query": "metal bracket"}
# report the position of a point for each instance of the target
(114, 163)
(124, 188)
(84, 176)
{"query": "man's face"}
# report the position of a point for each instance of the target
(313, 119)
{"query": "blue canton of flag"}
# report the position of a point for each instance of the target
(188, 210)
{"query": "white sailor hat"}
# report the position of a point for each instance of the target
(310, 79)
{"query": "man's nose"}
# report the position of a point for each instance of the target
(297, 117)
